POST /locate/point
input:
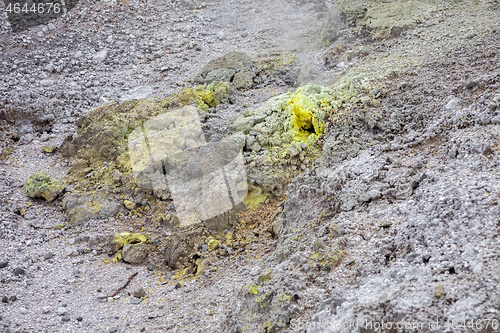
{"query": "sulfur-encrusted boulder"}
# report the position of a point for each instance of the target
(41, 185)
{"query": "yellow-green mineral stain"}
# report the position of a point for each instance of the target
(213, 244)
(229, 239)
(255, 198)
(48, 149)
(129, 204)
(253, 289)
(41, 185)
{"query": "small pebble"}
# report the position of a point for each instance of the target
(19, 271)
(66, 317)
(136, 301)
(4, 264)
(5, 299)
(23, 311)
(139, 293)
(61, 311)
(13, 298)
(49, 255)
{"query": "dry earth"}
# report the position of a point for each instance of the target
(397, 221)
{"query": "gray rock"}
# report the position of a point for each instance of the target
(236, 138)
(452, 104)
(61, 311)
(262, 140)
(294, 150)
(471, 84)
(27, 138)
(5, 299)
(233, 67)
(249, 140)
(135, 253)
(46, 117)
(19, 271)
(136, 301)
(220, 74)
(4, 264)
(256, 147)
(48, 256)
(101, 55)
(66, 317)
(139, 293)
(204, 248)
(242, 124)
(77, 207)
(47, 83)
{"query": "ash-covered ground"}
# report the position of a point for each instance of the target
(370, 136)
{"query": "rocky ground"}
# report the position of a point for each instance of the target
(370, 135)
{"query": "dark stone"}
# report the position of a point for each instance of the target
(13, 298)
(79, 319)
(178, 285)
(19, 271)
(4, 264)
(49, 255)
(5, 299)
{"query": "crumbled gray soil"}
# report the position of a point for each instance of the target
(403, 205)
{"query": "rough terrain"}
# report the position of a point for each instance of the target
(370, 132)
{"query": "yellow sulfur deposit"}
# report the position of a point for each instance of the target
(304, 120)
(128, 238)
